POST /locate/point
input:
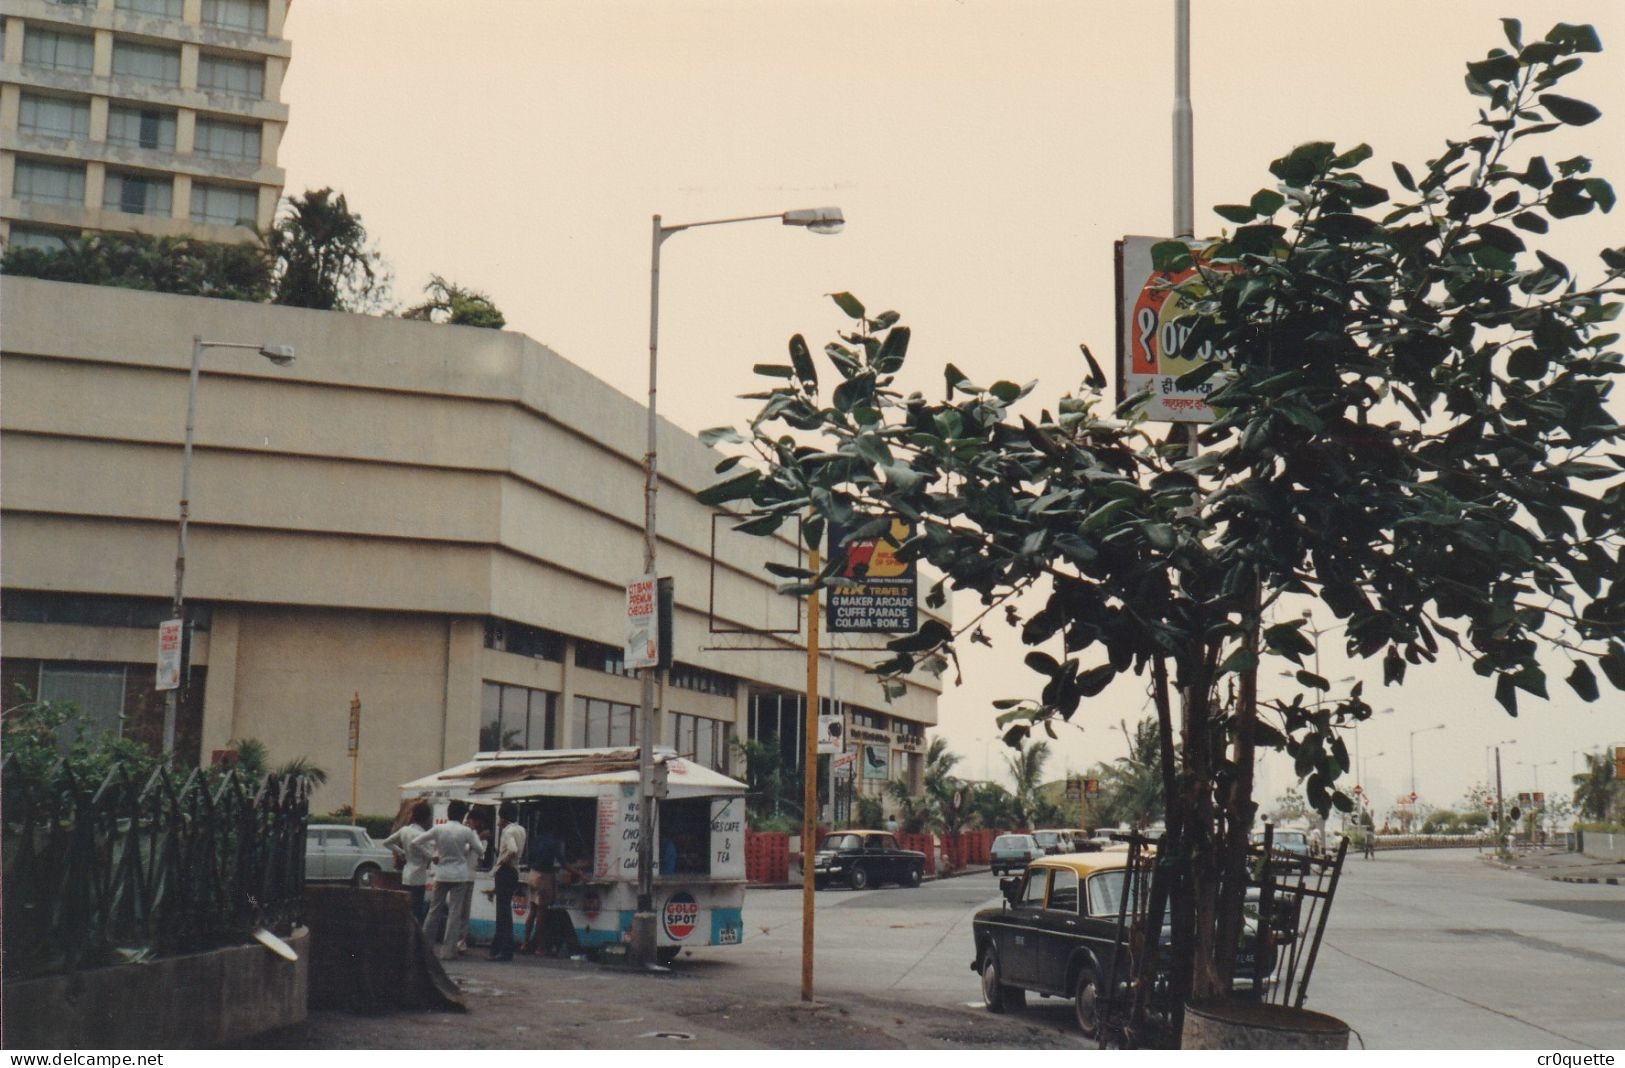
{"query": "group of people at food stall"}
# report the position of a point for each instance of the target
(451, 852)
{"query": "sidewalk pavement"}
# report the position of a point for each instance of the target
(1564, 867)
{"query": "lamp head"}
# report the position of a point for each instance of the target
(818, 220)
(281, 355)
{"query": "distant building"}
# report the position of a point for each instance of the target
(441, 519)
(161, 117)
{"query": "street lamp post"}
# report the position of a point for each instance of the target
(819, 221)
(282, 356)
(1422, 730)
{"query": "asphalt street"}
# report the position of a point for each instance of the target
(1424, 950)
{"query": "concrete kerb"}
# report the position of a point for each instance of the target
(972, 869)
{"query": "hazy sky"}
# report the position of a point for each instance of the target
(986, 154)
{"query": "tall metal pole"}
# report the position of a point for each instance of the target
(1184, 125)
(178, 606)
(641, 950)
(1500, 811)
(809, 787)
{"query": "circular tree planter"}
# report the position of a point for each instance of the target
(1246, 1025)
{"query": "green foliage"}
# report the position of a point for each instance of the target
(935, 808)
(993, 808)
(38, 736)
(451, 303)
(1414, 431)
(772, 789)
(322, 259)
(871, 813)
(378, 827)
(1598, 794)
(160, 264)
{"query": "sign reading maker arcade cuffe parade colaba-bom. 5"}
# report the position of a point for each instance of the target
(878, 592)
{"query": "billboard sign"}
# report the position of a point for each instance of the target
(1150, 334)
(830, 734)
(642, 623)
(879, 592)
(876, 762)
(844, 763)
(169, 655)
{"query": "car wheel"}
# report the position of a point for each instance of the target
(667, 955)
(364, 875)
(915, 875)
(859, 879)
(1085, 1003)
(997, 996)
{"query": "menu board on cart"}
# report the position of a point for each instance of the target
(615, 854)
(728, 838)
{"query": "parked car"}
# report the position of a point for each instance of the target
(1011, 852)
(1286, 841)
(866, 858)
(1082, 841)
(1055, 931)
(343, 853)
(1054, 841)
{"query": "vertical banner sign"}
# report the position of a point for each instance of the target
(878, 596)
(355, 725)
(642, 623)
(169, 655)
(1150, 335)
(829, 734)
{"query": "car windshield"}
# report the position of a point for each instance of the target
(841, 841)
(1013, 841)
(1047, 837)
(1106, 892)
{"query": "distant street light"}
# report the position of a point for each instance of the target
(282, 356)
(643, 939)
(1421, 730)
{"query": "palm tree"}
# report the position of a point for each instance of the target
(321, 253)
(451, 303)
(1596, 790)
(1026, 766)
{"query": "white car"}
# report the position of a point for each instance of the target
(343, 853)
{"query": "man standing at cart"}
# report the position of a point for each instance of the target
(510, 847)
(545, 853)
(413, 868)
(459, 848)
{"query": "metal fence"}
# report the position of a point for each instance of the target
(122, 869)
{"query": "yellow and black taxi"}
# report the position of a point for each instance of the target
(1055, 931)
(862, 859)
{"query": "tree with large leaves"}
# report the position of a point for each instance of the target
(1413, 429)
(1598, 793)
(457, 305)
(322, 258)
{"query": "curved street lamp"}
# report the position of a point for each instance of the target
(1420, 730)
(642, 948)
(282, 356)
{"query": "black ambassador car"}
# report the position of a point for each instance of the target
(862, 859)
(1054, 934)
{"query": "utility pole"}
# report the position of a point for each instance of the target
(1500, 811)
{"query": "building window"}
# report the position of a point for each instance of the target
(605, 658)
(56, 50)
(45, 240)
(230, 205)
(863, 717)
(702, 740)
(223, 74)
(516, 717)
(522, 640)
(97, 690)
(49, 183)
(249, 15)
(600, 723)
(170, 9)
(689, 677)
(54, 116)
(147, 63)
(219, 139)
(141, 127)
(33, 606)
(137, 194)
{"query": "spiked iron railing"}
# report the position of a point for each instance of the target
(123, 869)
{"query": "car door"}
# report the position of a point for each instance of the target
(1058, 932)
(315, 855)
(343, 853)
(1020, 956)
(878, 858)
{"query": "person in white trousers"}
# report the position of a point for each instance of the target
(459, 848)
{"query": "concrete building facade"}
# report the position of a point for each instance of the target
(156, 116)
(438, 519)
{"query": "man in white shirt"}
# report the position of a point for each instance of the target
(510, 847)
(414, 870)
(459, 848)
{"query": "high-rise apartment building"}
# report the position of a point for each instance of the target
(154, 116)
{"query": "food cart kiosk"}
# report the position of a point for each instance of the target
(588, 800)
